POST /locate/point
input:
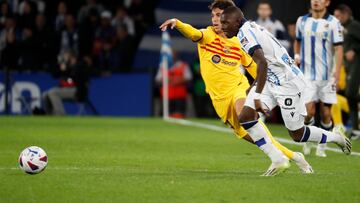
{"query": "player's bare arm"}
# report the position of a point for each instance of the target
(185, 29)
(260, 60)
(297, 52)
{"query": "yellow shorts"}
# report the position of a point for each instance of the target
(225, 108)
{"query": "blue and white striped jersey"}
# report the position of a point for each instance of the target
(318, 38)
(281, 67)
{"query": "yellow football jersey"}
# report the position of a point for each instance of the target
(220, 60)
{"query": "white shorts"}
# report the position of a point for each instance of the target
(320, 91)
(292, 106)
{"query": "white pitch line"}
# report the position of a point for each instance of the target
(228, 130)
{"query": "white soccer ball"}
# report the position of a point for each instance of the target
(33, 160)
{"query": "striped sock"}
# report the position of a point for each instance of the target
(258, 134)
(318, 135)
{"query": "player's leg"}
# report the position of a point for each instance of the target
(337, 109)
(249, 120)
(327, 97)
(326, 124)
(239, 102)
(311, 110)
(297, 157)
(239, 105)
(310, 97)
(293, 113)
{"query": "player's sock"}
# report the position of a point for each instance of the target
(258, 133)
(297, 157)
(326, 126)
(318, 135)
(311, 121)
(307, 145)
(320, 150)
(336, 114)
(288, 153)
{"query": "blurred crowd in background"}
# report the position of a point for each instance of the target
(35, 34)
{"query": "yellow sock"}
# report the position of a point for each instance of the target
(342, 101)
(287, 152)
(336, 114)
(336, 109)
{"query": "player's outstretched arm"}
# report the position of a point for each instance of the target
(187, 30)
(168, 23)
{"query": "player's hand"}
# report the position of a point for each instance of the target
(297, 59)
(336, 76)
(259, 108)
(169, 23)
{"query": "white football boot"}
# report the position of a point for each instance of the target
(277, 167)
(303, 165)
(346, 144)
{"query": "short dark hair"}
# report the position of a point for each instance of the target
(221, 4)
(343, 8)
(264, 2)
(234, 10)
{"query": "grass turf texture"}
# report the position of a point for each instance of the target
(148, 160)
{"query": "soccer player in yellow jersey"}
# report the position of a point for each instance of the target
(220, 59)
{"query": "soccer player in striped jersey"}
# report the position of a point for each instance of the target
(220, 59)
(279, 82)
(319, 38)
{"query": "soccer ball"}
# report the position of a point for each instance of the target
(33, 160)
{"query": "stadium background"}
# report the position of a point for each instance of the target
(122, 159)
(118, 93)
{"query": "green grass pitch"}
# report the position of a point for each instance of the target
(148, 160)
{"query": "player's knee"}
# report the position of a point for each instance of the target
(246, 115)
(297, 135)
(242, 118)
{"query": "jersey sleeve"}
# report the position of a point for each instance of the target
(248, 40)
(337, 33)
(192, 33)
(298, 31)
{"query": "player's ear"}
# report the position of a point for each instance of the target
(327, 3)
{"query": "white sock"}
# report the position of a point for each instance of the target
(311, 121)
(327, 127)
(318, 135)
(258, 133)
(296, 157)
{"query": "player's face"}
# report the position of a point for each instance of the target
(230, 25)
(264, 11)
(319, 5)
(342, 17)
(215, 19)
